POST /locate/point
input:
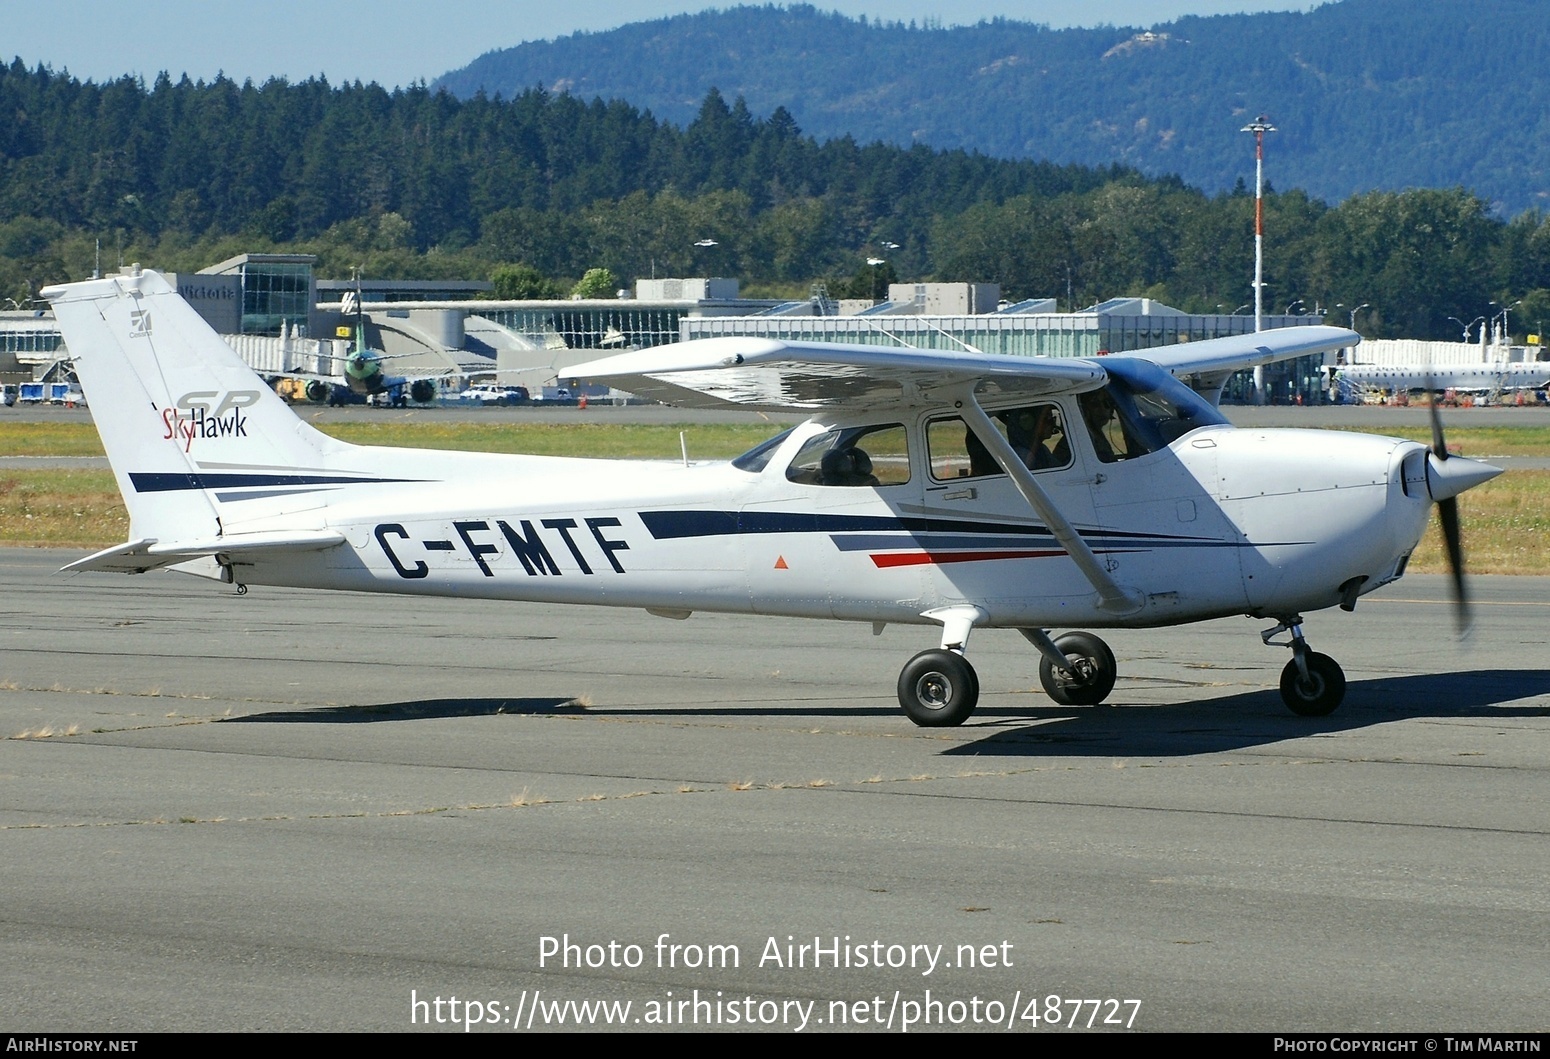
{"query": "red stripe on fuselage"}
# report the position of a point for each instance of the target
(888, 559)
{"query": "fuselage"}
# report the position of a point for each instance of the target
(1220, 521)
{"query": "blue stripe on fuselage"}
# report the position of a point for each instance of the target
(901, 530)
(167, 483)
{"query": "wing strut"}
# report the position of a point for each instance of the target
(1112, 596)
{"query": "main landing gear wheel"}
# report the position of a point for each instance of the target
(938, 689)
(1320, 693)
(1091, 676)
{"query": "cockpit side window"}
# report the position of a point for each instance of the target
(1141, 410)
(854, 456)
(1110, 434)
(1037, 433)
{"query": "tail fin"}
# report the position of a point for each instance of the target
(189, 429)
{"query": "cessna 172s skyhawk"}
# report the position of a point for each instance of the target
(966, 490)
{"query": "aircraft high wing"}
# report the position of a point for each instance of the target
(956, 489)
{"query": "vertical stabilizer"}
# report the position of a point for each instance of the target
(186, 424)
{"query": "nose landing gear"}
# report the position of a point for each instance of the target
(1312, 685)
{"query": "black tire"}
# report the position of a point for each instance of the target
(1320, 693)
(938, 689)
(1092, 677)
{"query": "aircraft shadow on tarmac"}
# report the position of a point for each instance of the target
(1203, 726)
(1255, 718)
(417, 710)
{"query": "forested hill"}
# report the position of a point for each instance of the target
(1366, 94)
(415, 183)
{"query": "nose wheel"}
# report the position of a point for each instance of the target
(1312, 685)
(1317, 693)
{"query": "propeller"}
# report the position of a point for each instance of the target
(1445, 482)
(1448, 519)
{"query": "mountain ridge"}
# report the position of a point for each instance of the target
(1366, 94)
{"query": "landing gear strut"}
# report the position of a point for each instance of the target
(939, 689)
(1312, 685)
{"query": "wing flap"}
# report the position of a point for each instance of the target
(136, 557)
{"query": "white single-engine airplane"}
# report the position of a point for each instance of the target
(966, 490)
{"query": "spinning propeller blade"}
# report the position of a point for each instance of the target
(1448, 519)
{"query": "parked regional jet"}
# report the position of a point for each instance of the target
(1479, 377)
(963, 490)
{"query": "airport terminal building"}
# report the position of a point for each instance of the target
(282, 319)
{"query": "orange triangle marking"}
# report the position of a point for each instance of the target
(780, 563)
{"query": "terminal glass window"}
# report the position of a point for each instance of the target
(275, 296)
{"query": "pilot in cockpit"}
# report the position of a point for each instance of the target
(1037, 437)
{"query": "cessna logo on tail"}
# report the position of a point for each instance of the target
(139, 323)
(208, 414)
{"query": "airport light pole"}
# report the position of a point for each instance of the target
(1259, 127)
(1507, 338)
(1466, 327)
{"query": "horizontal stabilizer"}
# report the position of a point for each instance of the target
(136, 557)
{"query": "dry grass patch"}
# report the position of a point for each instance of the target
(1476, 442)
(32, 438)
(1506, 522)
(61, 509)
(602, 440)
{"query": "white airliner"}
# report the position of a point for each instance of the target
(1479, 377)
(957, 489)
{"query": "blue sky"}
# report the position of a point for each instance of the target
(396, 42)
